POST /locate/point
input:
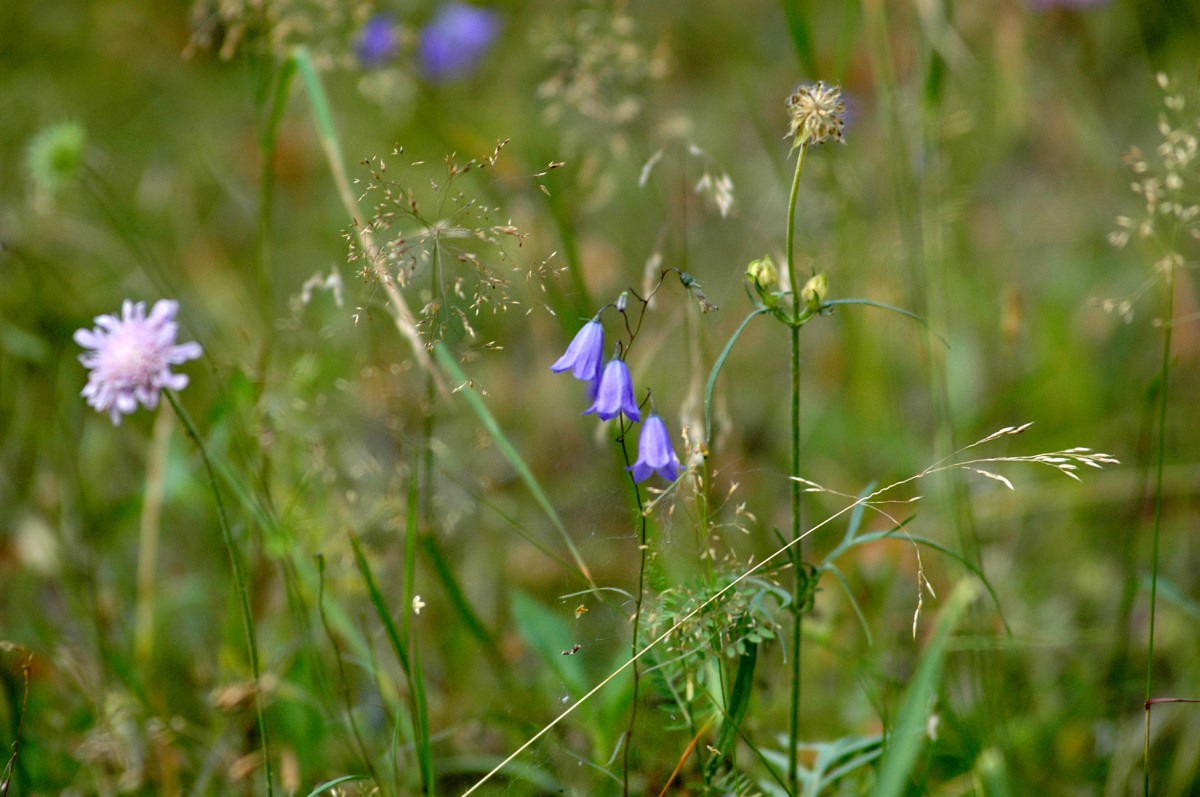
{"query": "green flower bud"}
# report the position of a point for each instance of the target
(765, 278)
(763, 274)
(814, 291)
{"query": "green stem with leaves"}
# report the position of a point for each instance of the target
(798, 311)
(239, 580)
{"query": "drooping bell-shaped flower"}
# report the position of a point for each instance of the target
(614, 394)
(583, 355)
(129, 358)
(655, 452)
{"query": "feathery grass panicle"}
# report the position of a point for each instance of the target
(419, 235)
(1169, 188)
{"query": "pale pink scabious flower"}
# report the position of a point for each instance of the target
(129, 358)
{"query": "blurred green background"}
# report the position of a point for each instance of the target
(980, 179)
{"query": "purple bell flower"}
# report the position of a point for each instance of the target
(614, 394)
(456, 40)
(583, 355)
(655, 452)
(378, 41)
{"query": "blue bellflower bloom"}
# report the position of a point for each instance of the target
(456, 40)
(614, 394)
(655, 453)
(583, 355)
(378, 41)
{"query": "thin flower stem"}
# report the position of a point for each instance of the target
(791, 235)
(239, 579)
(1158, 501)
(419, 490)
(148, 538)
(797, 489)
(637, 611)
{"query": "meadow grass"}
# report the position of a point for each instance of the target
(394, 553)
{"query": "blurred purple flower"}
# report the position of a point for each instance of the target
(655, 452)
(130, 358)
(584, 353)
(456, 40)
(378, 41)
(614, 394)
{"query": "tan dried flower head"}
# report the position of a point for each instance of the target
(816, 113)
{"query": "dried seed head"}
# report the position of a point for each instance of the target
(816, 113)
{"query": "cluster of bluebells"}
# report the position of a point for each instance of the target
(129, 358)
(611, 389)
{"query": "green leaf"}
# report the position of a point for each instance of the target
(716, 369)
(330, 784)
(862, 619)
(548, 635)
(909, 733)
(739, 698)
(447, 362)
(835, 302)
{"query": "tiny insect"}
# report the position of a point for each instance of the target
(580, 611)
(574, 649)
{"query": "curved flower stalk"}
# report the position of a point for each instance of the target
(129, 358)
